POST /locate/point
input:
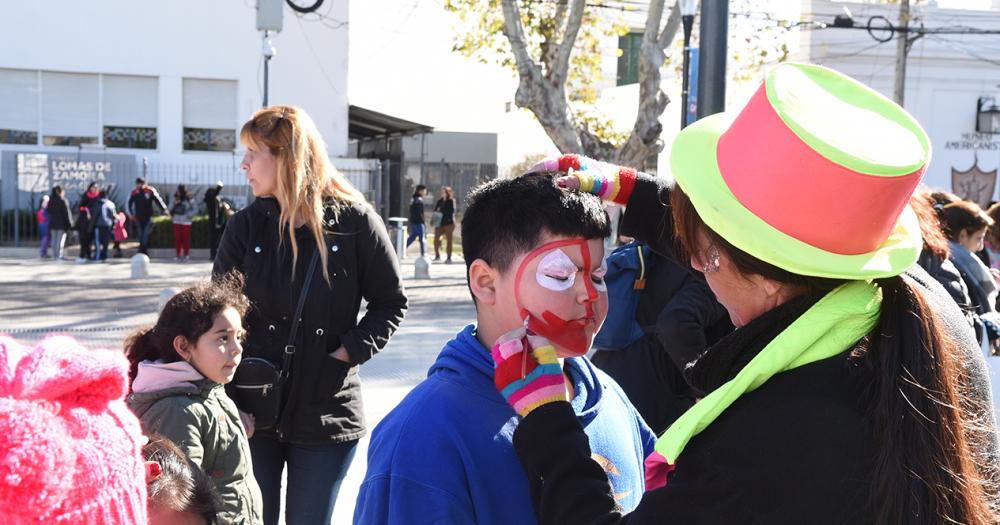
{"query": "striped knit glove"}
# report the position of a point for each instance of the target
(607, 181)
(527, 372)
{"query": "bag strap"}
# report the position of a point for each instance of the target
(286, 361)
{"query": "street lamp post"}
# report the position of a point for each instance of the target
(267, 49)
(687, 20)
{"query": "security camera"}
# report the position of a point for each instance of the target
(268, 49)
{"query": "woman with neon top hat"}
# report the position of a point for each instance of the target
(851, 390)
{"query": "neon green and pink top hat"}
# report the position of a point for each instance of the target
(813, 175)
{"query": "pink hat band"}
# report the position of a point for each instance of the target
(796, 190)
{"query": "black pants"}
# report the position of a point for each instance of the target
(86, 239)
(650, 379)
(214, 234)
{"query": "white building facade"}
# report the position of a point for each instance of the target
(88, 90)
(947, 76)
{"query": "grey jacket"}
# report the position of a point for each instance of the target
(204, 423)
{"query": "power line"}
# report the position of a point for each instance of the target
(959, 47)
(319, 63)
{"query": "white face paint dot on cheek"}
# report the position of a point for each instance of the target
(556, 271)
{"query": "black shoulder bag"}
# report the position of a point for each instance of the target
(258, 384)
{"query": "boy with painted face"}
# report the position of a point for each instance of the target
(535, 269)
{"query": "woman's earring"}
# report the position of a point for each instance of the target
(713, 256)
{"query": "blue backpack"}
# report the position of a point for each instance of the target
(626, 278)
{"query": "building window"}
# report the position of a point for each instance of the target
(129, 109)
(129, 137)
(202, 139)
(628, 58)
(18, 107)
(70, 114)
(209, 115)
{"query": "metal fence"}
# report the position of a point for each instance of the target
(25, 177)
(461, 177)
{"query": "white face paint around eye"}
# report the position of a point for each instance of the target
(556, 271)
(598, 276)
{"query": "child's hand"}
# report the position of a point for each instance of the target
(527, 373)
(249, 422)
(608, 181)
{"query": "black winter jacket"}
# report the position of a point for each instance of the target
(59, 215)
(795, 450)
(141, 201)
(323, 396)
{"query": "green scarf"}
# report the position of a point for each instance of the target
(834, 324)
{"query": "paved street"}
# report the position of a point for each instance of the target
(99, 304)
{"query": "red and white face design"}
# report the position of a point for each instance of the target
(560, 291)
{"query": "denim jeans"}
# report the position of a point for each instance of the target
(314, 476)
(102, 238)
(416, 232)
(145, 228)
(58, 241)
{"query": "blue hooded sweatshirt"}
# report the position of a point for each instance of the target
(444, 454)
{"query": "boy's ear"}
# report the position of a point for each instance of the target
(181, 346)
(483, 282)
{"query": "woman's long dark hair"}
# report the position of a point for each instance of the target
(926, 425)
(190, 314)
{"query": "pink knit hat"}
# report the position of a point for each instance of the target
(69, 447)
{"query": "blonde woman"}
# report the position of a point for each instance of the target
(306, 209)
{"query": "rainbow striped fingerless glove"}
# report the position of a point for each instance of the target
(527, 373)
(607, 181)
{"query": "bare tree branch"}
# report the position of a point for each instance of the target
(670, 28)
(547, 100)
(645, 137)
(561, 66)
(512, 28)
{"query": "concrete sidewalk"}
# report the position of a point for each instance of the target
(99, 304)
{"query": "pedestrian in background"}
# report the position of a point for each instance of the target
(182, 215)
(308, 215)
(105, 214)
(965, 224)
(42, 216)
(444, 219)
(417, 218)
(60, 221)
(119, 232)
(140, 207)
(212, 202)
(85, 222)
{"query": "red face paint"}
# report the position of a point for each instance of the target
(570, 335)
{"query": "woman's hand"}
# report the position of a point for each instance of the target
(608, 181)
(341, 354)
(527, 372)
(249, 422)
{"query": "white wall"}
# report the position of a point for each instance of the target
(944, 79)
(453, 146)
(178, 39)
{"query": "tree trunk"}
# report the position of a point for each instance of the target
(544, 92)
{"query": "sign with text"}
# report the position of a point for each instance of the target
(27, 175)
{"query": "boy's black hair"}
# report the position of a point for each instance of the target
(506, 217)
